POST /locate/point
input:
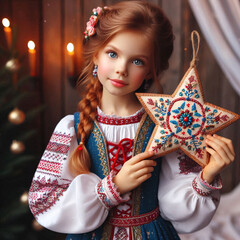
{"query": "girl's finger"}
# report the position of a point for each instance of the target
(143, 178)
(227, 141)
(143, 171)
(220, 146)
(143, 164)
(217, 152)
(214, 154)
(141, 156)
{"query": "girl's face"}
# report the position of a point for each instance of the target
(124, 63)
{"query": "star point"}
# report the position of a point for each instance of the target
(184, 119)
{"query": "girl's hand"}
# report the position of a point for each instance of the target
(134, 172)
(222, 155)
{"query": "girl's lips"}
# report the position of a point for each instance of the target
(118, 83)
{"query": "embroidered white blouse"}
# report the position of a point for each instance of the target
(67, 204)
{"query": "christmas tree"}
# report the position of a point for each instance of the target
(19, 154)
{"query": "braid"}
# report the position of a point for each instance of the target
(88, 108)
(80, 161)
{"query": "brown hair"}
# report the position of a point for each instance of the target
(141, 16)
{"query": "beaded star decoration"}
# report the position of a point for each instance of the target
(183, 119)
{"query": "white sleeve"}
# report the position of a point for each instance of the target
(184, 198)
(59, 201)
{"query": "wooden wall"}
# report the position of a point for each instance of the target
(54, 23)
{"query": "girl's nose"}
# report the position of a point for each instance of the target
(121, 68)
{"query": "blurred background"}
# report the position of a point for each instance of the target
(37, 88)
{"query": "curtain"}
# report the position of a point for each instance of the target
(225, 224)
(219, 21)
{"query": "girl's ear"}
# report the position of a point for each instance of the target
(95, 59)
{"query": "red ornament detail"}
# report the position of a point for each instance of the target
(185, 119)
(120, 121)
(191, 79)
(56, 152)
(121, 234)
(224, 118)
(179, 115)
(199, 152)
(150, 101)
(57, 147)
(187, 165)
(61, 138)
(49, 166)
(120, 152)
(43, 194)
(197, 188)
(107, 192)
(135, 220)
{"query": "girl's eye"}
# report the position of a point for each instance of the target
(138, 62)
(112, 54)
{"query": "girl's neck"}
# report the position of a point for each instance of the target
(119, 105)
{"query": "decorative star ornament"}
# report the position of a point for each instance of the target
(184, 119)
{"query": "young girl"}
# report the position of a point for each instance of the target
(94, 180)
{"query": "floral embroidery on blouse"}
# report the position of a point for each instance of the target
(205, 189)
(187, 165)
(46, 187)
(43, 194)
(108, 194)
(115, 120)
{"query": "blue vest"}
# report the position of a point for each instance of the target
(145, 197)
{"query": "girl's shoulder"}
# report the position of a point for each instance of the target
(66, 120)
(65, 125)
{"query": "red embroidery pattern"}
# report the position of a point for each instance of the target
(102, 196)
(48, 173)
(54, 155)
(121, 234)
(58, 157)
(187, 165)
(197, 188)
(57, 147)
(60, 138)
(107, 192)
(135, 220)
(44, 194)
(112, 188)
(126, 212)
(205, 189)
(120, 121)
(50, 166)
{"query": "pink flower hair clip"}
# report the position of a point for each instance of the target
(90, 29)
